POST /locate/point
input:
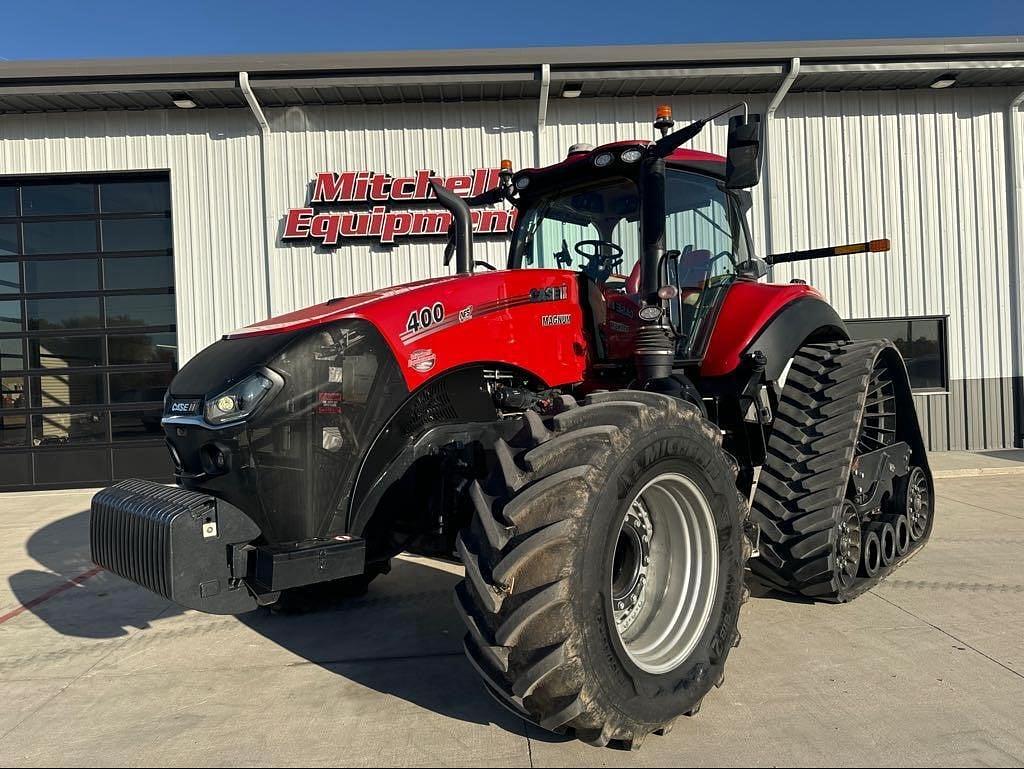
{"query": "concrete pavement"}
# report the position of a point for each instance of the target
(927, 668)
(965, 464)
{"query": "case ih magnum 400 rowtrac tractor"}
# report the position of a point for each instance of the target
(604, 433)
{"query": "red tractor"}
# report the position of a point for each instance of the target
(603, 433)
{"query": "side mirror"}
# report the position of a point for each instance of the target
(743, 158)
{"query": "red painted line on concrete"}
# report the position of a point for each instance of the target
(51, 593)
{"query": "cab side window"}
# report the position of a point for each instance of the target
(703, 225)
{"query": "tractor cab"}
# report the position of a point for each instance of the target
(585, 214)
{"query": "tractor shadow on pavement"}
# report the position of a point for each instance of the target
(102, 607)
(403, 638)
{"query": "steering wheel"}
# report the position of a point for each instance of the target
(487, 265)
(600, 264)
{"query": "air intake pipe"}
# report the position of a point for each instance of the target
(460, 233)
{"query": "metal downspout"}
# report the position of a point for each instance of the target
(773, 105)
(542, 111)
(1015, 192)
(264, 126)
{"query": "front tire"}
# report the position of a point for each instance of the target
(567, 624)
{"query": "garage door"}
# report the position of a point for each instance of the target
(88, 340)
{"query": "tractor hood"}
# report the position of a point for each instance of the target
(511, 317)
(335, 308)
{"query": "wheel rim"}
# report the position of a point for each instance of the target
(848, 545)
(919, 504)
(664, 573)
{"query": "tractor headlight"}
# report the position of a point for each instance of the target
(238, 401)
(605, 158)
(631, 155)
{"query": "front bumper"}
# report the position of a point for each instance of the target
(201, 552)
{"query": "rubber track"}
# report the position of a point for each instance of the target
(804, 480)
(524, 518)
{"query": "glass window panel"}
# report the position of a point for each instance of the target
(135, 197)
(60, 237)
(73, 312)
(13, 431)
(124, 350)
(10, 316)
(75, 389)
(136, 425)
(141, 310)
(139, 387)
(65, 429)
(12, 357)
(149, 234)
(12, 393)
(138, 272)
(921, 341)
(8, 239)
(61, 275)
(10, 278)
(49, 199)
(8, 201)
(65, 351)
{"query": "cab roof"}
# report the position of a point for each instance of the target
(580, 165)
(698, 160)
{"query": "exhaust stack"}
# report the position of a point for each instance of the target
(460, 234)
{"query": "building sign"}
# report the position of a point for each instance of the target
(393, 212)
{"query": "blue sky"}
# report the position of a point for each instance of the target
(48, 29)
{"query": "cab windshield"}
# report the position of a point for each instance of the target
(594, 230)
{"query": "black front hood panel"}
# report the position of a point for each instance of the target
(292, 464)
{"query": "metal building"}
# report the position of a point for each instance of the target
(146, 206)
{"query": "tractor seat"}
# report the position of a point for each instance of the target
(633, 281)
(694, 269)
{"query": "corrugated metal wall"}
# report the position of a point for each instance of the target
(213, 158)
(925, 168)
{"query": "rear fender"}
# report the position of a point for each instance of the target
(803, 321)
(776, 319)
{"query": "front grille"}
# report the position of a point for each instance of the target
(432, 405)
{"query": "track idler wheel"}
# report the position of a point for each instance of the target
(871, 562)
(901, 526)
(887, 542)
